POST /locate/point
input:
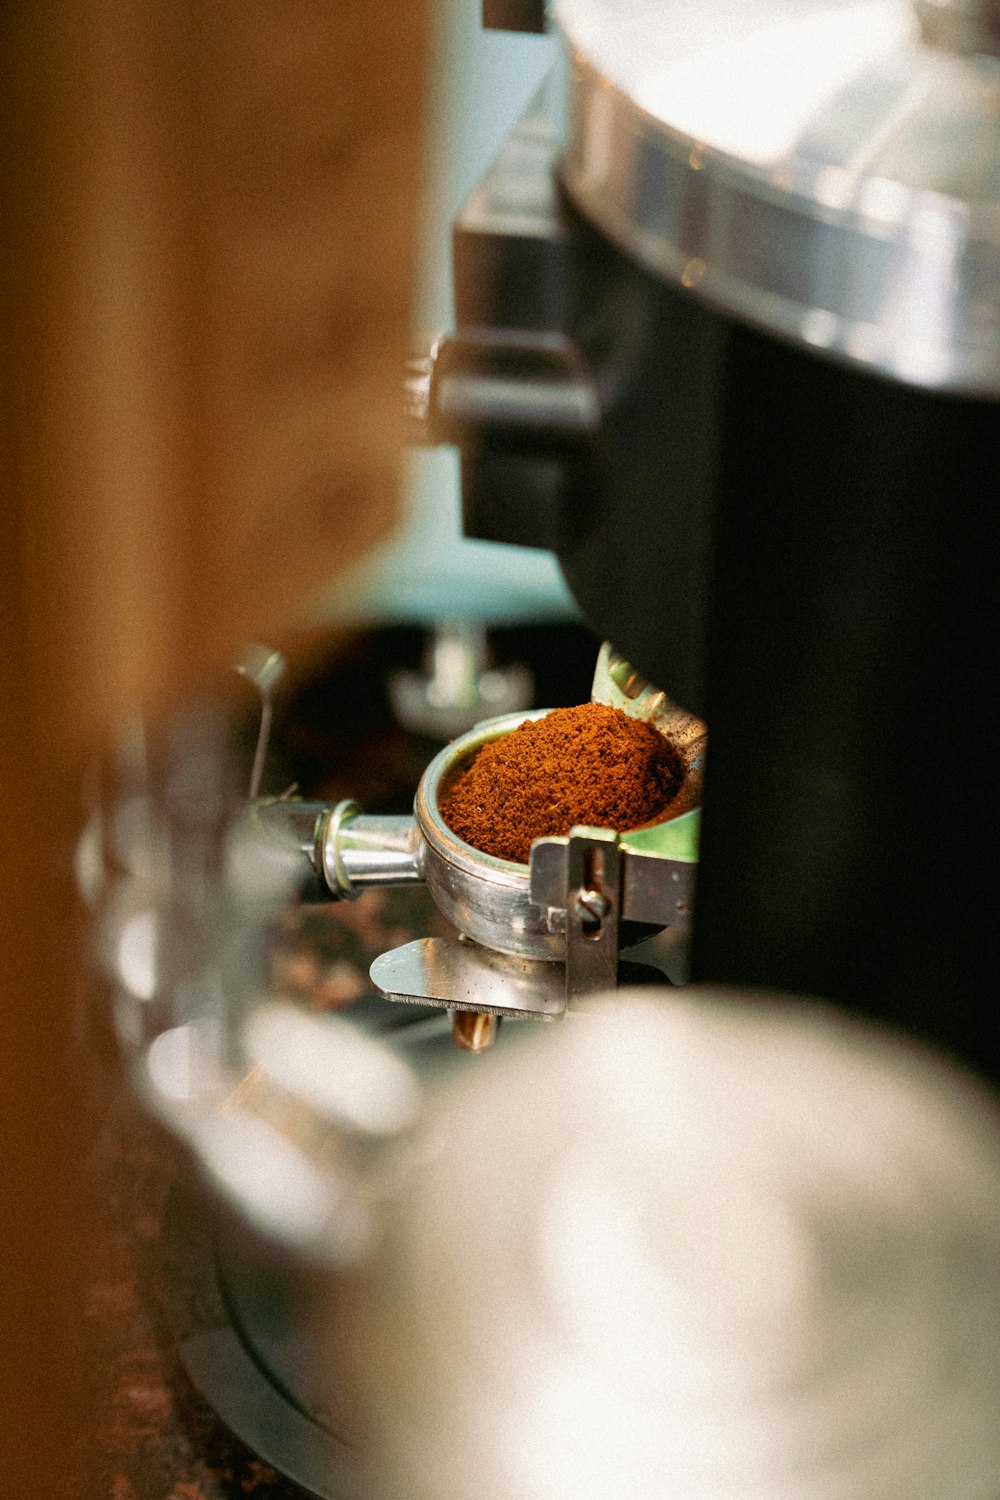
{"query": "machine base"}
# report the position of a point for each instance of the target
(230, 1367)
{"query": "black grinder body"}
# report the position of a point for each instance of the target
(799, 551)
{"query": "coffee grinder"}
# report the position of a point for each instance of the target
(729, 346)
(727, 343)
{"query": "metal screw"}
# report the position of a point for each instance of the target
(473, 1031)
(591, 906)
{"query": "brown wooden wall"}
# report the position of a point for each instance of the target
(207, 235)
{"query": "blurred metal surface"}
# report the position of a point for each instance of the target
(457, 687)
(963, 26)
(693, 1246)
(252, 1321)
(819, 172)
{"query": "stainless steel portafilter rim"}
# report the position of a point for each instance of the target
(486, 898)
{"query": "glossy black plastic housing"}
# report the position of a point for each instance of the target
(805, 556)
(514, 15)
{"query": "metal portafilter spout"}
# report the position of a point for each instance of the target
(531, 939)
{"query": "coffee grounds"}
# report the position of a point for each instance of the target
(589, 764)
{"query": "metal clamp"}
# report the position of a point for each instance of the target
(654, 890)
(596, 883)
(592, 896)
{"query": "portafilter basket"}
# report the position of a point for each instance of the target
(486, 898)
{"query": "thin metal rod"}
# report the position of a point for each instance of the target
(263, 738)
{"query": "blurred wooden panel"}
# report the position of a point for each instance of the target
(310, 192)
(207, 235)
(213, 243)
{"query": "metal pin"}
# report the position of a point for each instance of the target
(472, 1031)
(265, 668)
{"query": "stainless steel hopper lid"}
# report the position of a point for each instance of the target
(827, 169)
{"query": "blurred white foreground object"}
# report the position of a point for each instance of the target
(704, 1248)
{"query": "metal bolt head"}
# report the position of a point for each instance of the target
(592, 905)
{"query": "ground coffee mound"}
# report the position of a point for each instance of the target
(589, 764)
